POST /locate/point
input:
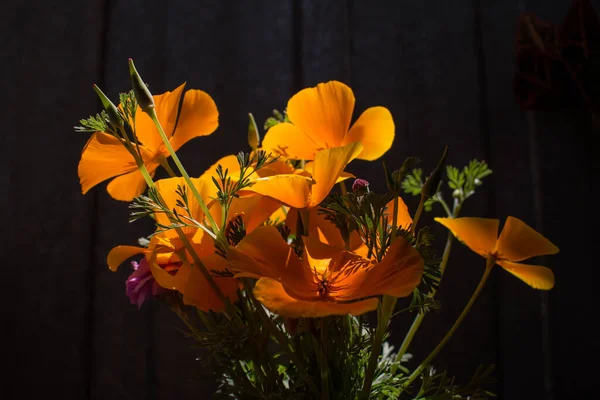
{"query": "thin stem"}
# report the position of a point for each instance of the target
(421, 315)
(418, 214)
(165, 164)
(383, 318)
(395, 217)
(184, 174)
(445, 205)
(488, 268)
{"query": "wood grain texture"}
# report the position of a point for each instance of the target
(444, 71)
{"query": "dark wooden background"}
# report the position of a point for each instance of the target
(443, 68)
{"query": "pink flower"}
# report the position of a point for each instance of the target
(141, 284)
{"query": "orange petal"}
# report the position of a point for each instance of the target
(308, 168)
(327, 167)
(198, 117)
(291, 190)
(479, 234)
(398, 274)
(404, 220)
(178, 281)
(323, 113)
(273, 296)
(263, 252)
(518, 241)
(288, 140)
(166, 108)
(255, 209)
(536, 276)
(103, 157)
(119, 254)
(199, 293)
(375, 130)
(168, 190)
(127, 187)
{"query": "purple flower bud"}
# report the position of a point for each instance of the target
(360, 184)
(141, 284)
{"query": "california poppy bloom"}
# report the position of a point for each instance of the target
(517, 242)
(326, 281)
(104, 156)
(320, 119)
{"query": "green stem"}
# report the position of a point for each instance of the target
(421, 315)
(383, 318)
(184, 174)
(187, 244)
(165, 164)
(488, 268)
(418, 214)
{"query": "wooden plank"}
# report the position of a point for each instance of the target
(51, 58)
(521, 363)
(420, 62)
(123, 355)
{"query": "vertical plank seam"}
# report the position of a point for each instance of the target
(484, 126)
(90, 277)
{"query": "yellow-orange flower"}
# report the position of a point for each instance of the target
(104, 156)
(163, 253)
(320, 119)
(517, 242)
(327, 281)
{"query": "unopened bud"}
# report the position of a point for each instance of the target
(360, 184)
(114, 116)
(142, 94)
(253, 135)
(433, 181)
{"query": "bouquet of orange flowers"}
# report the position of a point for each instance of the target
(273, 262)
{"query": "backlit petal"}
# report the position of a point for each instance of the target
(128, 186)
(327, 167)
(518, 241)
(375, 130)
(198, 117)
(291, 142)
(396, 275)
(291, 190)
(479, 234)
(264, 253)
(167, 105)
(118, 255)
(103, 157)
(404, 220)
(199, 293)
(273, 296)
(323, 112)
(168, 191)
(172, 281)
(536, 276)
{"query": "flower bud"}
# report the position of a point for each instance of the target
(253, 135)
(113, 112)
(142, 94)
(360, 184)
(431, 185)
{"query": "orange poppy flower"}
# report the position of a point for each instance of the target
(300, 191)
(326, 281)
(320, 119)
(168, 269)
(104, 156)
(517, 242)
